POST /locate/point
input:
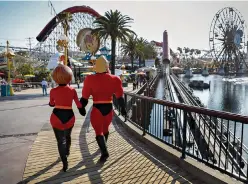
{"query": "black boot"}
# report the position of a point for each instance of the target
(65, 165)
(68, 146)
(68, 141)
(106, 136)
(102, 145)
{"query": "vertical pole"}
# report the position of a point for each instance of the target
(66, 34)
(79, 73)
(65, 46)
(9, 55)
(8, 62)
(75, 73)
(125, 98)
(184, 134)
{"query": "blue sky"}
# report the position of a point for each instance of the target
(188, 23)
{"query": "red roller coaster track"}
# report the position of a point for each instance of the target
(53, 23)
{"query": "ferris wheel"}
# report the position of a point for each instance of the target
(227, 38)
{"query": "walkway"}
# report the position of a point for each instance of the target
(129, 162)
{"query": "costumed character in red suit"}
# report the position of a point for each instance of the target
(62, 119)
(102, 86)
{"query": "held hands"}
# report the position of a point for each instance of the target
(82, 111)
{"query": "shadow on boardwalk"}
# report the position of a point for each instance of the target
(130, 161)
(75, 171)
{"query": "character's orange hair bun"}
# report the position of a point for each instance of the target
(62, 74)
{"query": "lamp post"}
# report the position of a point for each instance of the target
(63, 42)
(123, 67)
(124, 84)
(63, 39)
(9, 54)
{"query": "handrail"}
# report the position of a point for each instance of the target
(223, 156)
(201, 110)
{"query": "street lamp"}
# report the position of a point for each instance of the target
(123, 67)
(9, 54)
(63, 41)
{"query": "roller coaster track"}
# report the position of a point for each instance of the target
(179, 121)
(218, 152)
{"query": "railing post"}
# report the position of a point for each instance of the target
(145, 117)
(185, 118)
(139, 109)
(145, 113)
(134, 113)
(125, 99)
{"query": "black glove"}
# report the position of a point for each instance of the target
(51, 105)
(84, 102)
(82, 111)
(123, 111)
(121, 104)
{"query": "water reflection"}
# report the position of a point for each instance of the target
(222, 95)
(156, 125)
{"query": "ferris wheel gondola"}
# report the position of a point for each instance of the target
(227, 38)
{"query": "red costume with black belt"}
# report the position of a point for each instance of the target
(62, 118)
(102, 86)
(62, 97)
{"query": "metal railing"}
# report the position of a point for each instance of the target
(214, 143)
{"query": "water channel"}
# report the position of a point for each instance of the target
(225, 94)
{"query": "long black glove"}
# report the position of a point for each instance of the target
(84, 102)
(51, 105)
(82, 111)
(121, 104)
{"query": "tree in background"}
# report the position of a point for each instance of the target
(116, 26)
(40, 73)
(141, 45)
(131, 48)
(25, 69)
(188, 56)
(150, 51)
(157, 62)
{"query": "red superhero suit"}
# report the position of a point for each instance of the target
(62, 118)
(102, 86)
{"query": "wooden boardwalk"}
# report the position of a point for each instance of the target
(130, 161)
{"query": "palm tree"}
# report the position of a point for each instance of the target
(131, 48)
(141, 44)
(180, 50)
(114, 25)
(157, 62)
(150, 51)
(197, 52)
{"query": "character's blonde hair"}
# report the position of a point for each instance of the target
(62, 74)
(101, 65)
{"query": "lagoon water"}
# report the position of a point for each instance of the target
(225, 94)
(230, 95)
